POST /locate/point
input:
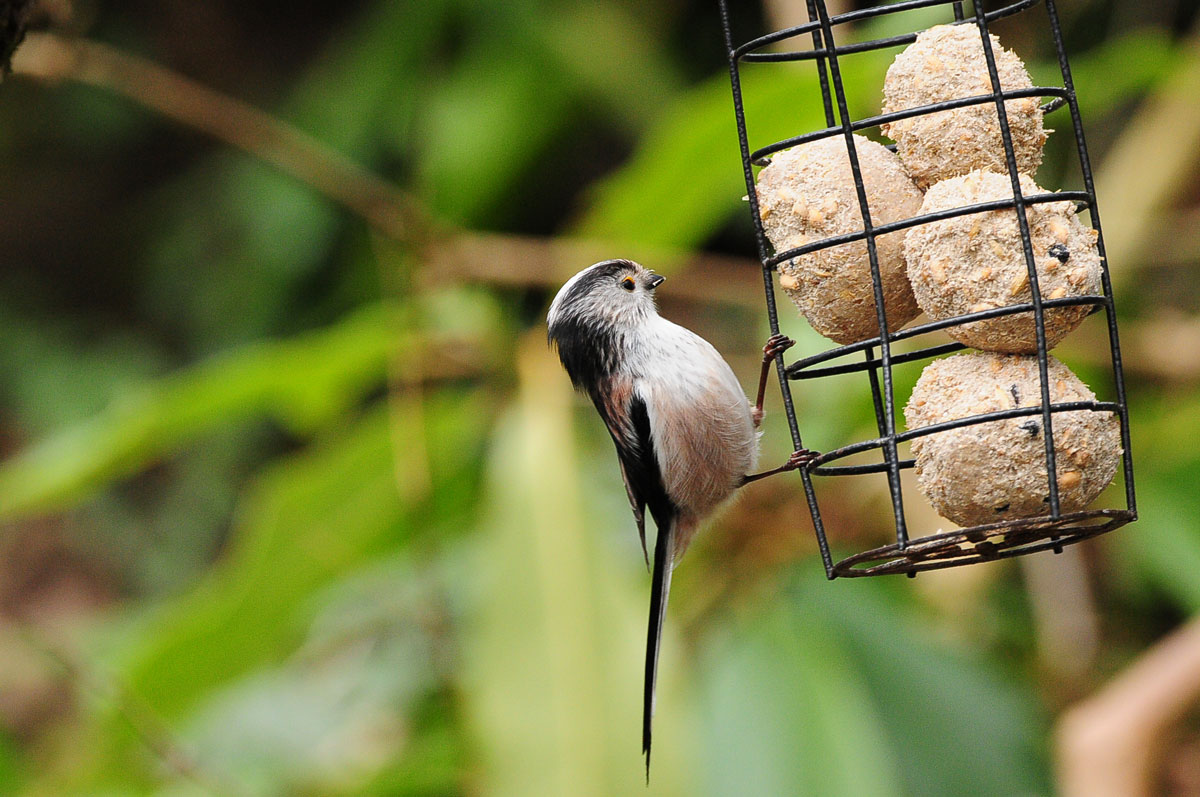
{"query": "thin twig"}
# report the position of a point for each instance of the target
(54, 58)
(522, 261)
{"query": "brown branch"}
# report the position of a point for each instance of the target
(520, 261)
(1109, 744)
(54, 58)
(451, 253)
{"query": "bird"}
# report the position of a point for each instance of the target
(685, 433)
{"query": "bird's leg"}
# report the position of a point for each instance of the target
(799, 459)
(776, 345)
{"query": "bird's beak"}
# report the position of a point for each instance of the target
(655, 281)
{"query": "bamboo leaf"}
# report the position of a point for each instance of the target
(957, 723)
(685, 179)
(788, 711)
(308, 520)
(302, 383)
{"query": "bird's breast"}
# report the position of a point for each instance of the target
(703, 433)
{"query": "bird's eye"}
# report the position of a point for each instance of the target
(627, 283)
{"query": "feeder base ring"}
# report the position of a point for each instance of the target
(985, 543)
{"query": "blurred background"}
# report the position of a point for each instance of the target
(296, 501)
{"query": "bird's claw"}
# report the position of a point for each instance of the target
(776, 345)
(802, 458)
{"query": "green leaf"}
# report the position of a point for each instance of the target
(303, 383)
(1110, 75)
(1164, 546)
(685, 179)
(836, 688)
(486, 126)
(11, 779)
(788, 711)
(611, 53)
(517, 88)
(957, 722)
(351, 691)
(305, 522)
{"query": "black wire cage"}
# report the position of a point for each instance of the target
(875, 357)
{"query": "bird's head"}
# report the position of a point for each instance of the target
(614, 294)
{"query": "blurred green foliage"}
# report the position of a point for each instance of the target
(389, 550)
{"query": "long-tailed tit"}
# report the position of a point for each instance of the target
(685, 433)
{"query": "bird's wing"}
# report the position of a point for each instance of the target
(624, 413)
(624, 410)
(637, 504)
(666, 518)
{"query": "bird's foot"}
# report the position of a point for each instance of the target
(776, 345)
(800, 459)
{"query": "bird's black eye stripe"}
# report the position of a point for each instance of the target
(627, 283)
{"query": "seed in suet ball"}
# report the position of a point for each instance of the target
(993, 471)
(807, 194)
(947, 62)
(977, 262)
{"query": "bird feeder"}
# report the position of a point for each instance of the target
(1060, 432)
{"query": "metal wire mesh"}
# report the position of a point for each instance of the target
(979, 543)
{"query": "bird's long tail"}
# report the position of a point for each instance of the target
(659, 590)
